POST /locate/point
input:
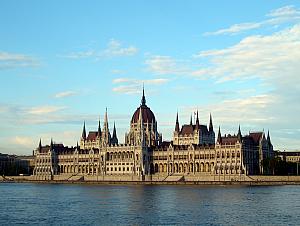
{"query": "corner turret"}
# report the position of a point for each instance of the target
(239, 135)
(114, 139)
(211, 128)
(197, 122)
(219, 140)
(83, 136)
(177, 124)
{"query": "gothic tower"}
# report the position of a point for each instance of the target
(106, 137)
(143, 126)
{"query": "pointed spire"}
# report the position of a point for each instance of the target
(211, 128)
(114, 130)
(77, 146)
(105, 116)
(143, 103)
(114, 139)
(239, 135)
(40, 144)
(197, 121)
(99, 128)
(51, 144)
(191, 122)
(105, 127)
(83, 132)
(219, 140)
(268, 137)
(177, 123)
(105, 133)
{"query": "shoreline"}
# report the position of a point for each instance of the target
(258, 180)
(201, 183)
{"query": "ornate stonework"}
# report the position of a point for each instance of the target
(193, 151)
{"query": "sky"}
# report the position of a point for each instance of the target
(64, 62)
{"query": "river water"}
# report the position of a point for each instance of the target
(78, 204)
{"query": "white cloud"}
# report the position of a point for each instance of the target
(267, 56)
(286, 11)
(157, 81)
(121, 80)
(234, 29)
(24, 115)
(253, 110)
(78, 55)
(65, 94)
(273, 61)
(114, 49)
(25, 144)
(133, 86)
(127, 89)
(23, 141)
(41, 110)
(163, 65)
(15, 60)
(255, 113)
(278, 16)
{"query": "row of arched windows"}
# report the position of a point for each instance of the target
(84, 169)
(222, 155)
(110, 156)
(181, 167)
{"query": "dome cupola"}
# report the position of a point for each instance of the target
(147, 114)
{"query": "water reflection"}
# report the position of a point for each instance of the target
(138, 205)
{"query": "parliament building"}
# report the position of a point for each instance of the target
(195, 151)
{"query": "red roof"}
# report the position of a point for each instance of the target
(92, 135)
(189, 129)
(148, 115)
(229, 140)
(256, 136)
(58, 148)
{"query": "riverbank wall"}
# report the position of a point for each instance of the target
(161, 180)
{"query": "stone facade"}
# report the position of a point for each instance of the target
(289, 156)
(193, 133)
(193, 151)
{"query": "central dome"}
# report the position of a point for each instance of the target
(147, 114)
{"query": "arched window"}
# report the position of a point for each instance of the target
(156, 168)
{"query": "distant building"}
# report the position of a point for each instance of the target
(289, 156)
(193, 151)
(15, 165)
(6, 162)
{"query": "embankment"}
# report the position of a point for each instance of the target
(161, 180)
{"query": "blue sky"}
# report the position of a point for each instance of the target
(63, 62)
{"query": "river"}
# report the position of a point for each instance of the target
(80, 204)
